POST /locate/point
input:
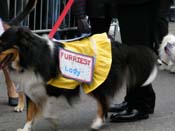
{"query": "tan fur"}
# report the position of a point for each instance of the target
(21, 101)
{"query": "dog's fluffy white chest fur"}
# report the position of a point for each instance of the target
(31, 84)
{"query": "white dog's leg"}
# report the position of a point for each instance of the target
(32, 113)
(20, 106)
(27, 127)
(97, 123)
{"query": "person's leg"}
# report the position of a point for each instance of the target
(136, 24)
(11, 90)
(136, 28)
(142, 98)
(141, 102)
(4, 10)
(100, 25)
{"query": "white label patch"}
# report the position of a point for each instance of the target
(76, 66)
(1, 27)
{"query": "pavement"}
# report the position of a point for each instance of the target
(80, 116)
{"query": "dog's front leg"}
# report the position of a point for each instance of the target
(32, 111)
(20, 106)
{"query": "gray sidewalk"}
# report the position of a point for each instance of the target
(79, 117)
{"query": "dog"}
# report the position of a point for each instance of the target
(33, 63)
(167, 53)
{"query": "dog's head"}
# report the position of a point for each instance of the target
(22, 50)
(10, 41)
(167, 48)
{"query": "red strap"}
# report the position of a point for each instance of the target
(60, 19)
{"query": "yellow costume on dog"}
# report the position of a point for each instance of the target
(99, 47)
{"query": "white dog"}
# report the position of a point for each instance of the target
(167, 53)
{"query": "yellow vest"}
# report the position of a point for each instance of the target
(98, 46)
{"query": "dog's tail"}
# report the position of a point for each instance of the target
(28, 8)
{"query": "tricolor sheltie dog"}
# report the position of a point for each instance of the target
(167, 53)
(33, 60)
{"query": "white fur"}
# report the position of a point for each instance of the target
(19, 108)
(50, 44)
(167, 63)
(97, 123)
(152, 77)
(22, 78)
(27, 127)
(34, 88)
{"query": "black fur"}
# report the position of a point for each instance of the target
(68, 94)
(133, 64)
(34, 52)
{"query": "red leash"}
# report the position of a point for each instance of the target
(60, 19)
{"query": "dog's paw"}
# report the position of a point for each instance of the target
(97, 124)
(23, 129)
(19, 129)
(19, 108)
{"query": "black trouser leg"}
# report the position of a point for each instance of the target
(137, 28)
(4, 10)
(100, 25)
(137, 24)
(141, 98)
